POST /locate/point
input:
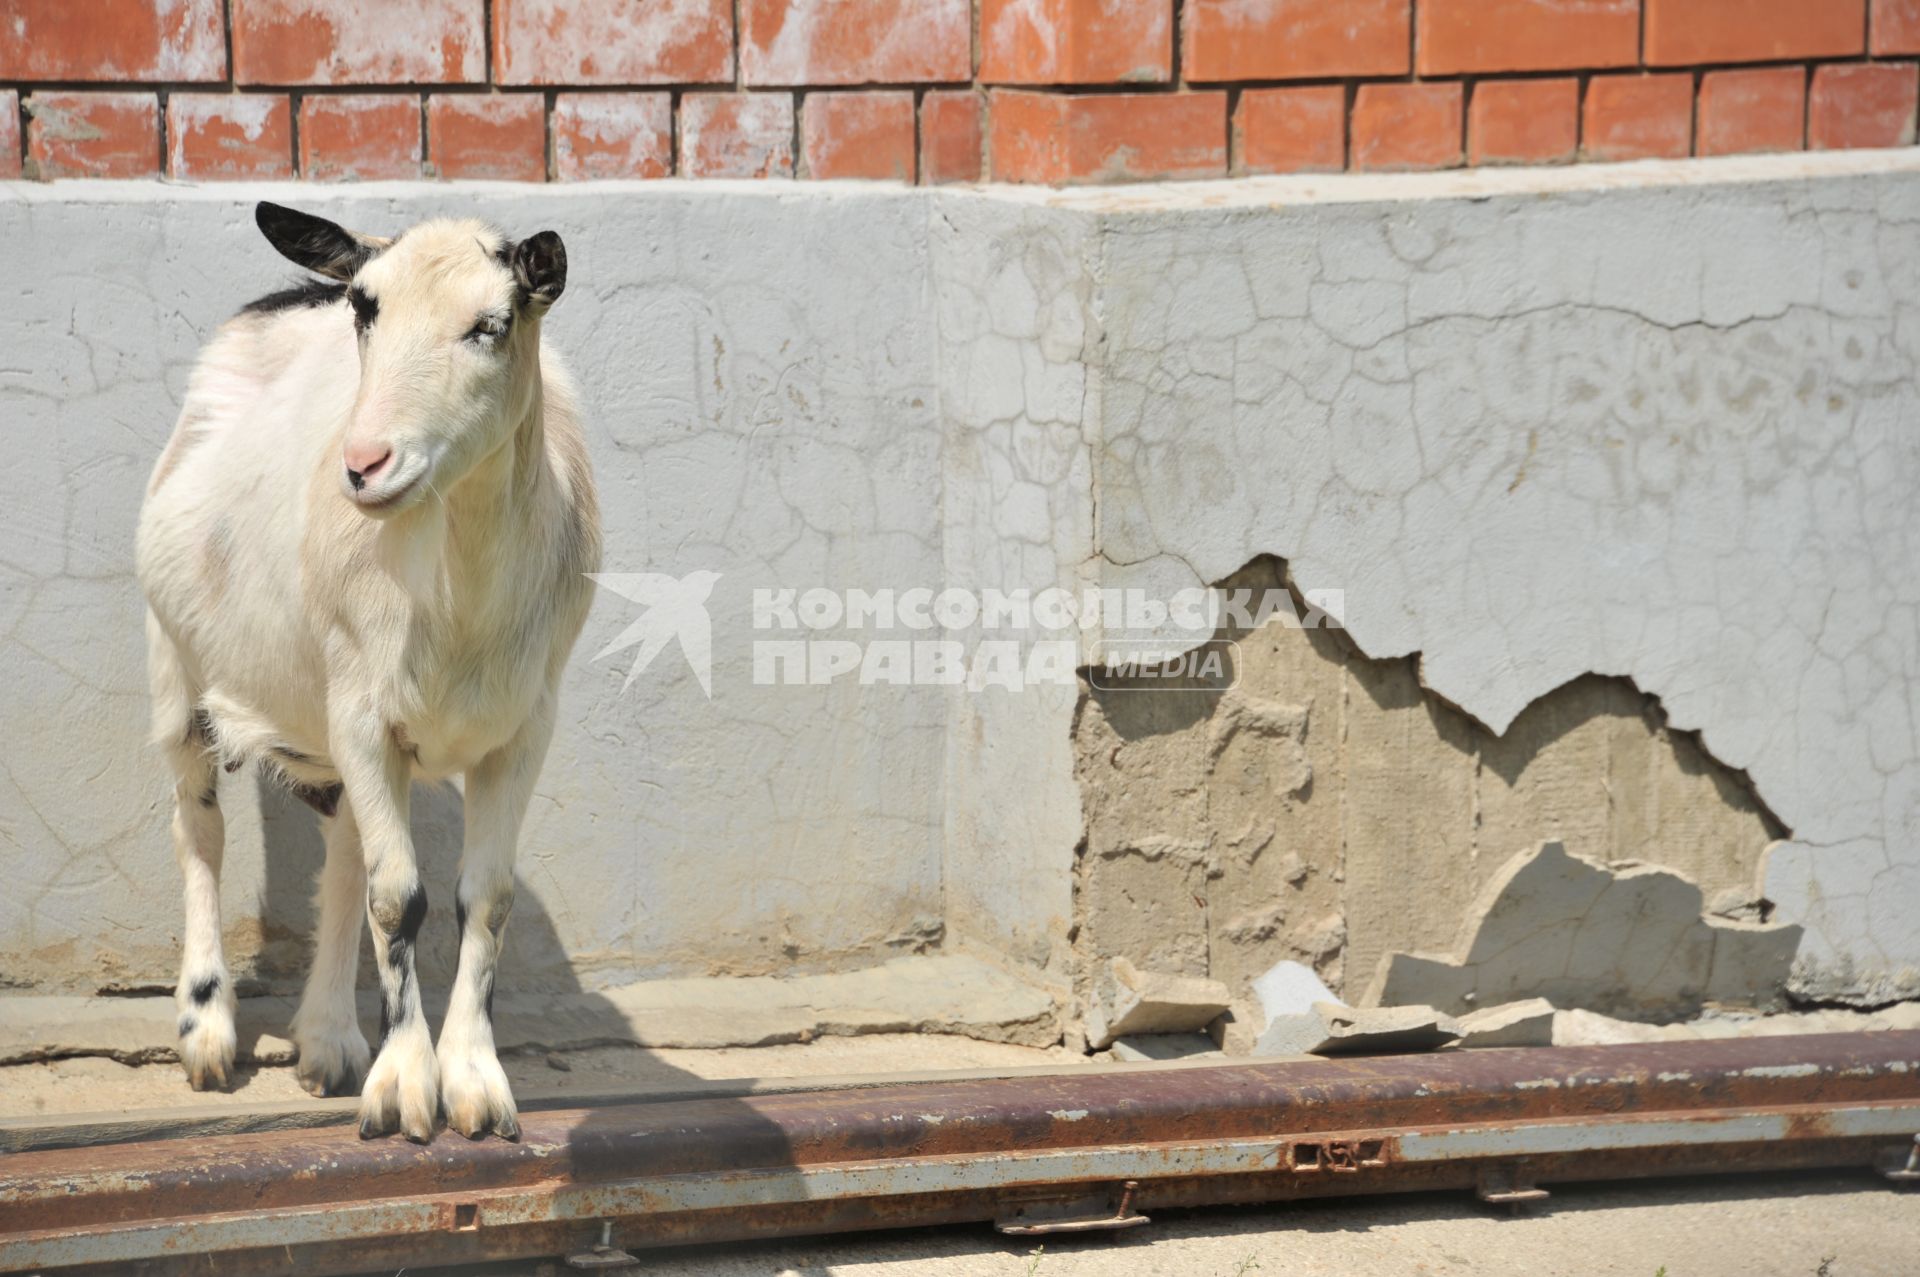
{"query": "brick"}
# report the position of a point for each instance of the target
(736, 135)
(350, 42)
(1690, 32)
(866, 135)
(1524, 121)
(216, 136)
(815, 42)
(1862, 104)
(1407, 126)
(502, 136)
(1124, 137)
(600, 42)
(113, 41)
(600, 135)
(1076, 41)
(9, 134)
(1295, 39)
(1454, 36)
(951, 148)
(72, 134)
(1758, 110)
(1895, 26)
(1291, 130)
(365, 137)
(1638, 117)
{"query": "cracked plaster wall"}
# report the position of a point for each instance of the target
(1647, 421)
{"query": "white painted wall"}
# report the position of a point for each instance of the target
(1648, 420)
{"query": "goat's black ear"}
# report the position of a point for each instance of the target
(540, 268)
(314, 242)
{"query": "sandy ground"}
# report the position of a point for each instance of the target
(92, 1085)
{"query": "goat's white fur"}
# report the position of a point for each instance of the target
(294, 624)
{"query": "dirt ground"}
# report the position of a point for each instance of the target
(1804, 1225)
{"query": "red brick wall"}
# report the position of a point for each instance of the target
(932, 90)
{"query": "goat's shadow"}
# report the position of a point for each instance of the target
(606, 1141)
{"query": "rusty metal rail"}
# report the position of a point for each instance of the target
(1033, 1154)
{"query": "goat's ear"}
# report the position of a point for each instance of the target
(316, 243)
(540, 268)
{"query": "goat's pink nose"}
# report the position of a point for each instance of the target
(364, 461)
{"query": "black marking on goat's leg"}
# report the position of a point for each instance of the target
(203, 990)
(210, 796)
(187, 1025)
(396, 974)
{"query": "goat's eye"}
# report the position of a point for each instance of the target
(366, 308)
(489, 328)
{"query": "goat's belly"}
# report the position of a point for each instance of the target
(440, 752)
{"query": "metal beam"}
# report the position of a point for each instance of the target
(1046, 1153)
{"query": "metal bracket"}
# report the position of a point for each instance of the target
(1072, 1215)
(604, 1253)
(1509, 1187)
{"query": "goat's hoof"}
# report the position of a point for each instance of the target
(402, 1091)
(207, 1047)
(333, 1061)
(475, 1094)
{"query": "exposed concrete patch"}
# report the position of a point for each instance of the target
(1127, 1001)
(1329, 1028)
(1630, 940)
(942, 994)
(1321, 807)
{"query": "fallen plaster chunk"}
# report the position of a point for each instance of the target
(1166, 1046)
(1629, 940)
(1528, 1023)
(1289, 988)
(1128, 1001)
(1329, 1028)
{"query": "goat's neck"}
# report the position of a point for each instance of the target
(493, 511)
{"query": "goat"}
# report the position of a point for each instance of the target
(364, 553)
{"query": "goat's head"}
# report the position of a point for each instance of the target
(448, 318)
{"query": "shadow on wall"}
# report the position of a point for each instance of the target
(1313, 803)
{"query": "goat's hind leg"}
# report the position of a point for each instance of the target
(326, 1029)
(204, 996)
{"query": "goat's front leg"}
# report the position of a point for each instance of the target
(473, 1085)
(403, 1087)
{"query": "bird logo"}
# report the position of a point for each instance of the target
(676, 608)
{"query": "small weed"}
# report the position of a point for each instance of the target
(1826, 1266)
(1033, 1260)
(1246, 1266)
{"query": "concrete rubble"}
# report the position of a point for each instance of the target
(1527, 1023)
(1328, 1028)
(1629, 939)
(1128, 1002)
(1164, 1047)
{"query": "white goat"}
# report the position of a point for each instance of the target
(364, 555)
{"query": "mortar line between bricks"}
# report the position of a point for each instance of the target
(293, 133)
(160, 129)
